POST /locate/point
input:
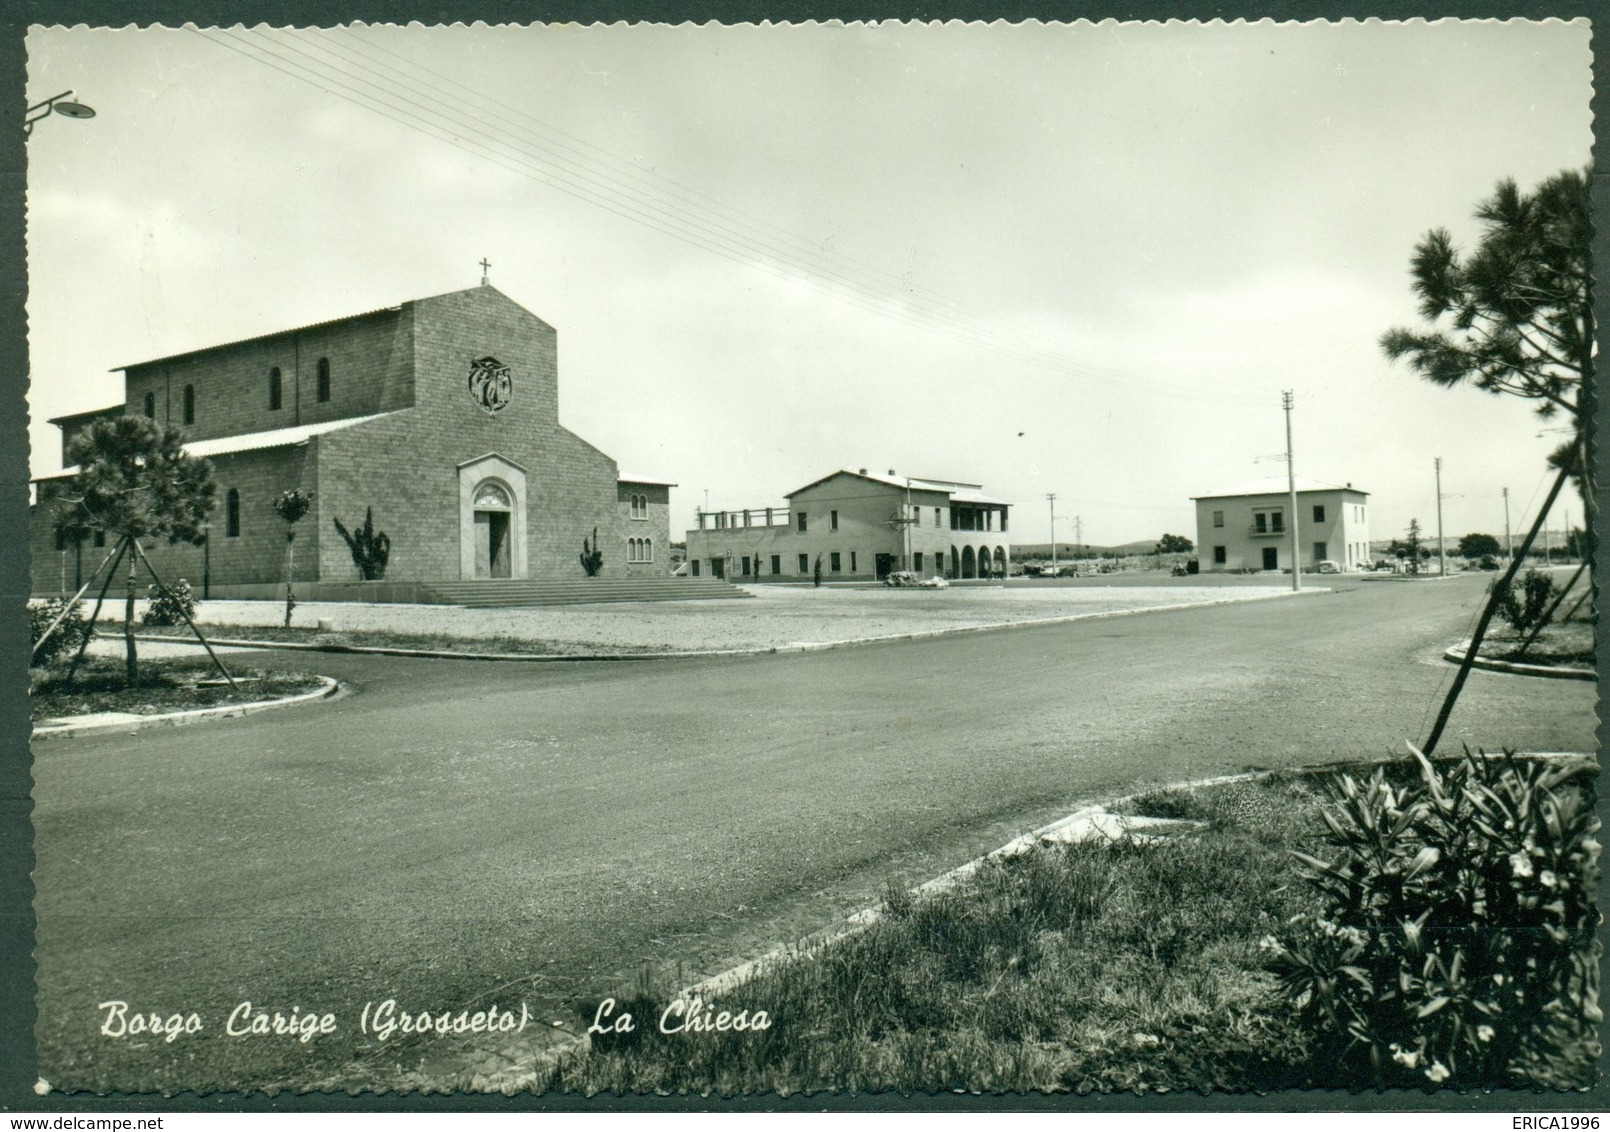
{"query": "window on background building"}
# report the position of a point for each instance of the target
(694, 564)
(232, 514)
(802, 522)
(939, 517)
(1003, 522)
(1218, 518)
(777, 564)
(1218, 556)
(916, 516)
(833, 561)
(745, 570)
(276, 388)
(1319, 512)
(1277, 521)
(916, 561)
(190, 404)
(852, 561)
(1319, 551)
(832, 520)
(100, 538)
(151, 405)
(323, 392)
(1260, 522)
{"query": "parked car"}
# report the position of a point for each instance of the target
(1328, 567)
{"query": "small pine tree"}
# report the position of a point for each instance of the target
(1411, 543)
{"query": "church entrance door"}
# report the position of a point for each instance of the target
(492, 557)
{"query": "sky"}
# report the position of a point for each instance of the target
(1082, 259)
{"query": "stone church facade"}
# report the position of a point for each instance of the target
(441, 414)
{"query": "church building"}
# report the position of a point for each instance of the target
(441, 414)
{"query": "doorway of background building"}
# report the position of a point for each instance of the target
(1271, 558)
(492, 551)
(884, 563)
(718, 568)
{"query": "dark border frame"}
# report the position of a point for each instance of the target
(17, 1063)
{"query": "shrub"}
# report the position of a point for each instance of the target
(370, 549)
(592, 556)
(1526, 611)
(171, 606)
(67, 637)
(1455, 940)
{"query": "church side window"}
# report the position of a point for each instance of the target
(190, 404)
(648, 550)
(324, 379)
(232, 514)
(276, 388)
(151, 405)
(640, 507)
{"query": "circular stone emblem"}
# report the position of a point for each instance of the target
(491, 384)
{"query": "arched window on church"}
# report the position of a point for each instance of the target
(324, 379)
(276, 388)
(232, 514)
(647, 551)
(190, 404)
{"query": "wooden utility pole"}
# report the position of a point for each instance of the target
(1442, 553)
(1291, 487)
(1052, 499)
(1509, 546)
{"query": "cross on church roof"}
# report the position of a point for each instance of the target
(485, 267)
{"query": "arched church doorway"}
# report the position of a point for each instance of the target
(494, 543)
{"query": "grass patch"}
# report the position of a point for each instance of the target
(1095, 966)
(424, 642)
(164, 686)
(1568, 644)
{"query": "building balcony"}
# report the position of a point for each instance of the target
(1266, 532)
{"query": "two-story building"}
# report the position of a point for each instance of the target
(858, 525)
(441, 414)
(1248, 527)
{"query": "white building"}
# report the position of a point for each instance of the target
(1248, 527)
(858, 525)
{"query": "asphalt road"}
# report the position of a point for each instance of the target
(463, 832)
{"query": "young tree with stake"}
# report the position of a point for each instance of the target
(134, 482)
(291, 506)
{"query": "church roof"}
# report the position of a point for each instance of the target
(1276, 485)
(255, 441)
(298, 329)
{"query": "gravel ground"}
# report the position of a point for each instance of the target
(776, 617)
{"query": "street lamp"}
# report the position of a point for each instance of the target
(62, 104)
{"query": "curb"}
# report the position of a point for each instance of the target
(523, 1077)
(180, 718)
(689, 654)
(857, 921)
(1456, 655)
